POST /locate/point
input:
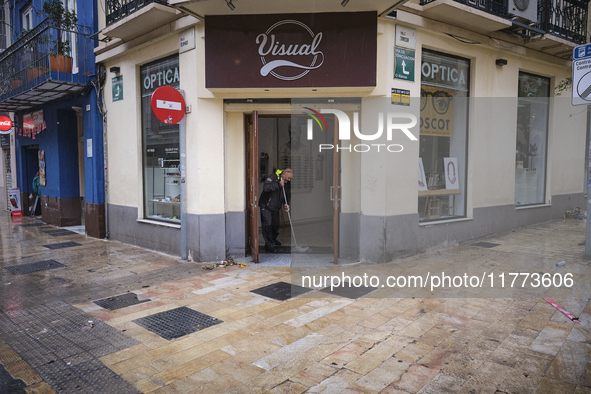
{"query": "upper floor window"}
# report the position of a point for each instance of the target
(4, 24)
(27, 14)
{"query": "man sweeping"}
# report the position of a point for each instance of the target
(276, 190)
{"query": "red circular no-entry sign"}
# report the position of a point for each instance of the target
(168, 104)
(5, 123)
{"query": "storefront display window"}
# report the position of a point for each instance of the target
(160, 145)
(532, 135)
(443, 136)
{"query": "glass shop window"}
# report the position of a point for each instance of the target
(443, 136)
(532, 136)
(161, 160)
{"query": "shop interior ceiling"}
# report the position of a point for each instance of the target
(202, 8)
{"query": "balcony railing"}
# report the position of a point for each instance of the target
(33, 59)
(119, 9)
(494, 7)
(564, 18)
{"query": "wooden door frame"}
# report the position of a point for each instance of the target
(252, 199)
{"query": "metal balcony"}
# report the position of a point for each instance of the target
(494, 7)
(119, 9)
(31, 72)
(564, 18)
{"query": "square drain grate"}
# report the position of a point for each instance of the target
(58, 233)
(281, 291)
(349, 292)
(62, 245)
(177, 322)
(485, 244)
(120, 301)
(34, 267)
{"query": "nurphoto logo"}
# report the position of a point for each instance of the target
(391, 119)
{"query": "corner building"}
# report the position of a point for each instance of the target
(408, 125)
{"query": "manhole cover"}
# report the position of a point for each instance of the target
(58, 233)
(344, 290)
(177, 322)
(120, 301)
(34, 267)
(485, 244)
(62, 245)
(281, 291)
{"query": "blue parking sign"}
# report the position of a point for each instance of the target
(582, 51)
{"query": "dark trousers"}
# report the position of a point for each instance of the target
(270, 226)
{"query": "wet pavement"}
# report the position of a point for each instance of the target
(181, 329)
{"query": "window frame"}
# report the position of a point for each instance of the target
(545, 171)
(143, 148)
(27, 11)
(425, 221)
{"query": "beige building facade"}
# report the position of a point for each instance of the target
(493, 145)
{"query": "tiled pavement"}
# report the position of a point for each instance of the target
(328, 345)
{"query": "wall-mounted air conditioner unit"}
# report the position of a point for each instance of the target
(526, 10)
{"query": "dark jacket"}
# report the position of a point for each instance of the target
(272, 196)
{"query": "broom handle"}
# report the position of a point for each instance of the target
(289, 216)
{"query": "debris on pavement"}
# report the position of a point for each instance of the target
(88, 326)
(575, 213)
(561, 263)
(222, 264)
(564, 312)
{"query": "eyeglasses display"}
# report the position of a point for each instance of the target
(443, 136)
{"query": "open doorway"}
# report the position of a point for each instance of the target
(31, 167)
(277, 142)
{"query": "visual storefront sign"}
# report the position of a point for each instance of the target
(437, 111)
(291, 50)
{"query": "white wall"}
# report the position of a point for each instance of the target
(372, 184)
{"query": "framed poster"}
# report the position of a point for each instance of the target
(422, 178)
(15, 202)
(452, 175)
(42, 179)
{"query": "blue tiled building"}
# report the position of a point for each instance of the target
(50, 85)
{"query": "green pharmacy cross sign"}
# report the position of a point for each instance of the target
(405, 64)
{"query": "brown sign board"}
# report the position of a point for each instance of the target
(336, 49)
